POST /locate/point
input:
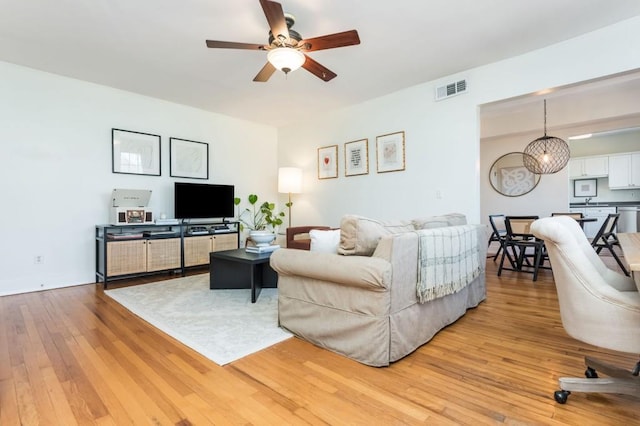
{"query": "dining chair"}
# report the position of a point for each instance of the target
(499, 233)
(572, 215)
(529, 252)
(607, 238)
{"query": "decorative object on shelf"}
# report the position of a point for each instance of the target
(188, 159)
(356, 157)
(328, 162)
(390, 152)
(135, 153)
(509, 176)
(585, 188)
(258, 217)
(289, 182)
(547, 154)
(262, 238)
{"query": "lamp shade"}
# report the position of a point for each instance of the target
(290, 180)
(286, 59)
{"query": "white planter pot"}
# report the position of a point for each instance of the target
(262, 238)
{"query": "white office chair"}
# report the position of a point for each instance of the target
(598, 306)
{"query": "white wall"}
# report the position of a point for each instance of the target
(56, 179)
(442, 138)
(55, 143)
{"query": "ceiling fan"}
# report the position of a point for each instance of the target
(286, 48)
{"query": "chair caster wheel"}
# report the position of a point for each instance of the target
(590, 373)
(561, 396)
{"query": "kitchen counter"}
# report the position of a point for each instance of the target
(608, 204)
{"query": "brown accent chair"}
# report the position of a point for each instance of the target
(298, 236)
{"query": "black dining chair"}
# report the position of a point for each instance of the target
(499, 233)
(529, 252)
(607, 238)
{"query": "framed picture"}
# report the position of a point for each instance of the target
(188, 159)
(135, 153)
(585, 188)
(390, 152)
(356, 157)
(328, 162)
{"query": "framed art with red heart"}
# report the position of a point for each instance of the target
(328, 162)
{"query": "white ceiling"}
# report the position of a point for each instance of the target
(157, 47)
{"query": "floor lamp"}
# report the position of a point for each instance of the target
(289, 182)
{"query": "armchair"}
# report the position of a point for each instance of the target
(298, 236)
(598, 306)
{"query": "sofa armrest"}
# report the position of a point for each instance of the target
(357, 271)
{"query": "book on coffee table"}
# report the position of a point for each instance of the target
(264, 249)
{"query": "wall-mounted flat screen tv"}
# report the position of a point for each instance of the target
(203, 201)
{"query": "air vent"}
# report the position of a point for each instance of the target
(451, 89)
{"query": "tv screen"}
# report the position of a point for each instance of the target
(203, 201)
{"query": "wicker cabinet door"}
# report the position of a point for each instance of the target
(163, 254)
(197, 249)
(225, 242)
(126, 257)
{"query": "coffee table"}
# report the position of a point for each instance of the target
(232, 269)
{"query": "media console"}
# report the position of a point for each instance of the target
(126, 251)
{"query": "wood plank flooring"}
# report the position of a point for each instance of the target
(73, 356)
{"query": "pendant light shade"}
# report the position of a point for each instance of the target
(547, 154)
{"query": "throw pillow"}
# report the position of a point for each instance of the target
(360, 235)
(325, 241)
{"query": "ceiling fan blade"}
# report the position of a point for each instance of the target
(318, 70)
(330, 41)
(275, 18)
(264, 74)
(234, 45)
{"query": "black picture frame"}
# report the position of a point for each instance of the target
(188, 159)
(585, 188)
(135, 153)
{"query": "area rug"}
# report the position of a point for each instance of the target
(222, 325)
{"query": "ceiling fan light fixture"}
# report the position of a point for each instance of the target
(286, 59)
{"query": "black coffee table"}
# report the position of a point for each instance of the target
(232, 269)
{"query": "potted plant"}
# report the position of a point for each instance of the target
(261, 219)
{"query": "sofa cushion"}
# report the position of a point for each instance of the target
(360, 235)
(430, 222)
(325, 241)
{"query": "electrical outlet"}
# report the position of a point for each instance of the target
(439, 194)
(38, 259)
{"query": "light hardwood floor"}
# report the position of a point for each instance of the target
(73, 356)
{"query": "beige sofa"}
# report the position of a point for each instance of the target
(362, 302)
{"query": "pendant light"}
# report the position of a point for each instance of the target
(547, 154)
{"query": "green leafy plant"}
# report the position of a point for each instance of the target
(258, 217)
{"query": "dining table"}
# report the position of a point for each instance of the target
(630, 245)
(586, 219)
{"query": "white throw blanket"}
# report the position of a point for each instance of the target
(447, 260)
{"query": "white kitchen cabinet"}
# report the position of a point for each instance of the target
(625, 171)
(589, 167)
